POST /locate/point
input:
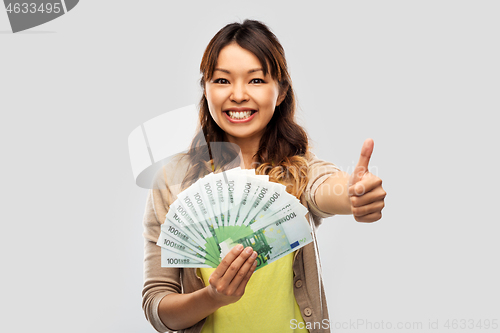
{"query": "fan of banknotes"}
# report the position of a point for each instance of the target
(228, 208)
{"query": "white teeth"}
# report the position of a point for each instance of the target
(239, 114)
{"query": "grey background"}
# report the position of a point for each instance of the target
(419, 77)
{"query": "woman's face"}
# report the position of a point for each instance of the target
(240, 98)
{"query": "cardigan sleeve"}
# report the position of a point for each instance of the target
(318, 171)
(158, 281)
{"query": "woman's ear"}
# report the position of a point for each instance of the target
(203, 87)
(282, 95)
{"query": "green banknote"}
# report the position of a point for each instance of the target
(233, 207)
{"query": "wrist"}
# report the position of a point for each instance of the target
(213, 297)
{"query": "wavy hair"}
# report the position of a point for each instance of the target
(284, 145)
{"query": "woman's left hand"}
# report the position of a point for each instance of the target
(365, 189)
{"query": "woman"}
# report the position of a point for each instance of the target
(248, 101)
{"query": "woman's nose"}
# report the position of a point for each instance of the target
(239, 93)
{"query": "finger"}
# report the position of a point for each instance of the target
(241, 288)
(242, 272)
(375, 207)
(377, 194)
(235, 266)
(362, 166)
(367, 184)
(225, 263)
(370, 217)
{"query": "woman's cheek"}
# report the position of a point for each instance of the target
(215, 100)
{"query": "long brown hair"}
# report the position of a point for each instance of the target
(283, 147)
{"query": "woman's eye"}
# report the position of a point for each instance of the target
(222, 81)
(257, 81)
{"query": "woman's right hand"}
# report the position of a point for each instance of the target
(227, 283)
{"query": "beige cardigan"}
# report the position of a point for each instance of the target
(160, 281)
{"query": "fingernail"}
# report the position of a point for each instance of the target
(254, 254)
(239, 247)
(249, 250)
(254, 263)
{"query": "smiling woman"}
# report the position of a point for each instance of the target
(241, 98)
(248, 101)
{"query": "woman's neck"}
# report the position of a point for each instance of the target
(248, 147)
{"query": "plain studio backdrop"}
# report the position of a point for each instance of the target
(419, 77)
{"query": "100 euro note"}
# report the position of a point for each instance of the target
(208, 204)
(275, 237)
(200, 215)
(204, 207)
(271, 238)
(194, 222)
(189, 234)
(175, 253)
(174, 238)
(235, 207)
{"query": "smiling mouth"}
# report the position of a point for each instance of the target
(240, 115)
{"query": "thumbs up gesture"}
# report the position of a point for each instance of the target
(365, 189)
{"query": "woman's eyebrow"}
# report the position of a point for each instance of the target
(228, 72)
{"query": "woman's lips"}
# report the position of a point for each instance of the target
(235, 110)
